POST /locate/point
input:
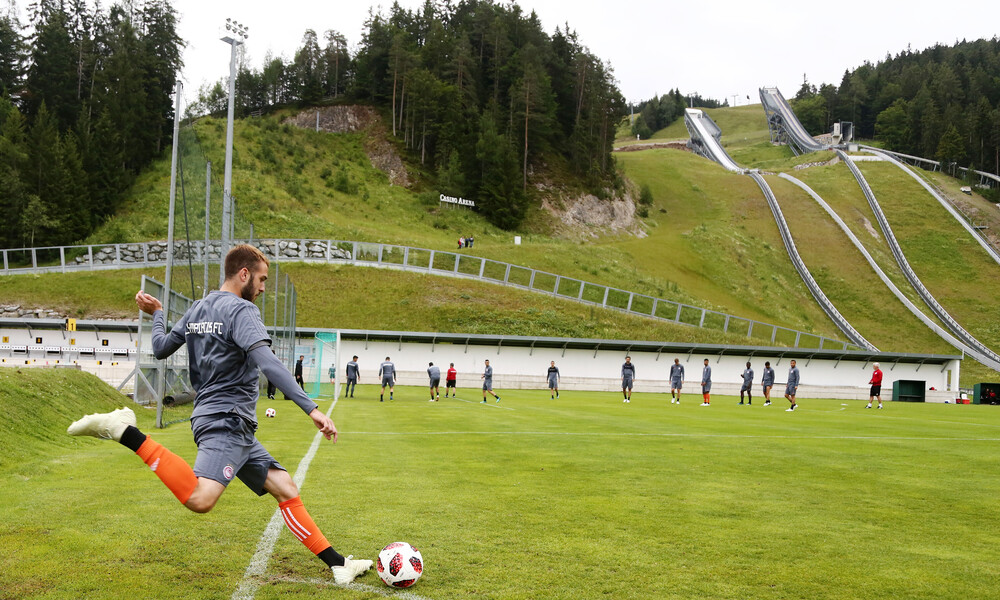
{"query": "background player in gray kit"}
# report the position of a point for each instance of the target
(747, 384)
(226, 345)
(792, 386)
(676, 381)
(435, 375)
(488, 382)
(387, 371)
(767, 381)
(628, 379)
(553, 376)
(706, 384)
(352, 376)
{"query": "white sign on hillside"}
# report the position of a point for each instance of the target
(458, 201)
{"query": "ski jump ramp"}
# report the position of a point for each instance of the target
(785, 127)
(705, 136)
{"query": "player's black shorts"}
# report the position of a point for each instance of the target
(451, 383)
(876, 390)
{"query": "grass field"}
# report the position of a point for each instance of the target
(583, 497)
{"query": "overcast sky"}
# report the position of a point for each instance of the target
(716, 49)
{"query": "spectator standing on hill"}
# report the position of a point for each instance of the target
(767, 381)
(387, 372)
(461, 242)
(298, 373)
(471, 240)
(876, 383)
(706, 384)
(747, 384)
(352, 376)
(434, 373)
(488, 382)
(628, 379)
(451, 380)
(226, 345)
(553, 376)
(792, 386)
(676, 381)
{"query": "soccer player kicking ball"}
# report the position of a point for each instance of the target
(226, 344)
(488, 382)
(676, 380)
(628, 379)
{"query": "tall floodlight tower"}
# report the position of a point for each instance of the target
(239, 34)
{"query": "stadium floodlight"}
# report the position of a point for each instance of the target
(236, 40)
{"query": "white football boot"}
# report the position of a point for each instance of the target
(106, 426)
(351, 569)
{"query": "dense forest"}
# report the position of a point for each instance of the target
(85, 104)
(941, 103)
(660, 111)
(478, 92)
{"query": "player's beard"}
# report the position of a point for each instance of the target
(249, 290)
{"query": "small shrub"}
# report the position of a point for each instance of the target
(643, 212)
(645, 195)
(325, 174)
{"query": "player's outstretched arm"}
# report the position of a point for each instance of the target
(324, 424)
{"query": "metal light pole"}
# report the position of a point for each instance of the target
(239, 33)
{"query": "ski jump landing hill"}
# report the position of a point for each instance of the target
(705, 136)
(786, 128)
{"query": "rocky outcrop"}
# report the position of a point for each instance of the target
(357, 119)
(588, 216)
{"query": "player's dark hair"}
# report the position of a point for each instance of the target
(452, 364)
(767, 363)
(242, 257)
(430, 364)
(387, 358)
(355, 357)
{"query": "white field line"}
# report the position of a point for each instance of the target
(361, 587)
(681, 435)
(252, 577)
(493, 404)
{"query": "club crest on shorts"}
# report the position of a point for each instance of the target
(227, 472)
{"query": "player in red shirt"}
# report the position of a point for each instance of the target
(450, 378)
(876, 384)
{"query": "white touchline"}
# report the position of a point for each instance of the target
(683, 435)
(362, 587)
(486, 403)
(265, 547)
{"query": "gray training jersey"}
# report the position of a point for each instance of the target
(220, 330)
(352, 370)
(747, 377)
(434, 373)
(793, 377)
(706, 374)
(386, 370)
(488, 373)
(768, 378)
(676, 372)
(628, 371)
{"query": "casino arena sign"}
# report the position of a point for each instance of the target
(458, 201)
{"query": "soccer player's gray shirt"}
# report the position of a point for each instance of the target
(352, 370)
(386, 370)
(768, 378)
(220, 330)
(488, 373)
(553, 375)
(793, 377)
(747, 377)
(706, 374)
(434, 373)
(676, 372)
(628, 371)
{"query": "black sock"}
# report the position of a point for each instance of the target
(132, 438)
(331, 557)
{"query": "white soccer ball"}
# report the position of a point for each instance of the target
(270, 413)
(399, 565)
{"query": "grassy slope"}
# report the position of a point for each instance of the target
(847, 278)
(718, 239)
(956, 270)
(652, 500)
